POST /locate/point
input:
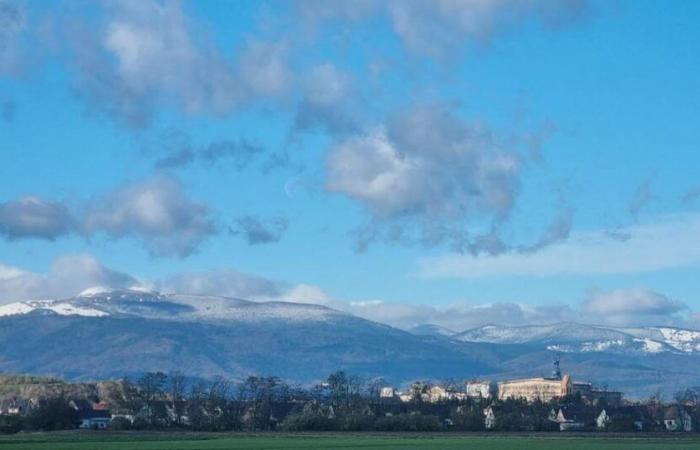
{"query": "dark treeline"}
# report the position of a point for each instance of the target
(159, 401)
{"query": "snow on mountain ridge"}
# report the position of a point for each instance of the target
(143, 303)
(573, 337)
(687, 341)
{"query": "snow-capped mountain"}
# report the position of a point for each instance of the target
(104, 334)
(137, 302)
(574, 337)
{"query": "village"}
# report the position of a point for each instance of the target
(344, 403)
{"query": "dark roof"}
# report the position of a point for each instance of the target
(672, 413)
(95, 414)
(578, 413)
(637, 412)
(14, 403)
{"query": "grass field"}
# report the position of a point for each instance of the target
(154, 441)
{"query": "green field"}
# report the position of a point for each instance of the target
(154, 441)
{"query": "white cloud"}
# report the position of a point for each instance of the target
(633, 306)
(442, 28)
(226, 282)
(157, 211)
(330, 101)
(72, 274)
(265, 69)
(68, 276)
(662, 245)
(149, 53)
(33, 217)
(427, 169)
(429, 162)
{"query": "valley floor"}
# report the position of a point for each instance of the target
(194, 441)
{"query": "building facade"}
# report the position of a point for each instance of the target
(531, 389)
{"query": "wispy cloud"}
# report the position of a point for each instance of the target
(441, 28)
(176, 150)
(665, 244)
(260, 231)
(642, 196)
(691, 195)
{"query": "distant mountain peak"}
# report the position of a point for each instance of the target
(582, 338)
(145, 303)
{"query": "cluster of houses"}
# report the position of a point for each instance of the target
(91, 415)
(598, 408)
(580, 417)
(530, 389)
(561, 402)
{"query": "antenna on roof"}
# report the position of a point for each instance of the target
(556, 373)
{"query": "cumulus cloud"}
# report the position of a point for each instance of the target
(33, 217)
(330, 101)
(146, 53)
(637, 249)
(427, 162)
(72, 274)
(157, 211)
(430, 166)
(69, 275)
(257, 231)
(636, 306)
(622, 307)
(225, 282)
(264, 68)
(460, 316)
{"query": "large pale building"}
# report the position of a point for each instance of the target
(531, 389)
(481, 389)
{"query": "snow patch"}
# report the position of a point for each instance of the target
(650, 346)
(93, 291)
(14, 309)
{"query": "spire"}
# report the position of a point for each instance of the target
(556, 373)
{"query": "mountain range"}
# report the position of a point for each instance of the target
(103, 334)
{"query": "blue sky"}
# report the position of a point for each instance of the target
(456, 162)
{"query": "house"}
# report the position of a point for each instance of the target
(573, 417)
(635, 416)
(506, 417)
(438, 394)
(15, 407)
(490, 418)
(95, 419)
(677, 419)
(92, 416)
